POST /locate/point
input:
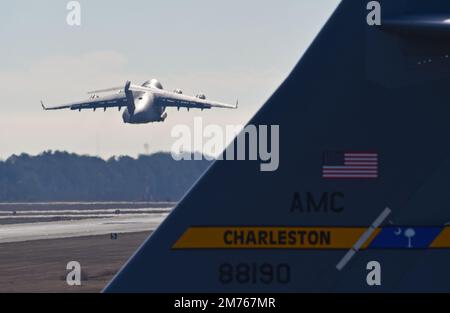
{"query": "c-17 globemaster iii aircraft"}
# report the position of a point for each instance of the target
(144, 104)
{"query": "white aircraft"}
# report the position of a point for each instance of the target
(144, 104)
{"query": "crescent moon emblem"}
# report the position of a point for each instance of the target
(398, 232)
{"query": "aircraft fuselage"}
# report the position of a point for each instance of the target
(145, 109)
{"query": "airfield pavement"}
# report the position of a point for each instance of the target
(40, 265)
(38, 240)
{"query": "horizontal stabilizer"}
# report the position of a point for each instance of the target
(105, 90)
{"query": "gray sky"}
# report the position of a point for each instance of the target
(225, 49)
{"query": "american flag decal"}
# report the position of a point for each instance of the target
(350, 165)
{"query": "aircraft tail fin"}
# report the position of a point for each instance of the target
(359, 125)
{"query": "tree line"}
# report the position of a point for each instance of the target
(62, 176)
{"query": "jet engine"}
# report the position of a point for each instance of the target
(201, 96)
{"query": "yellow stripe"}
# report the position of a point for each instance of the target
(272, 237)
(442, 240)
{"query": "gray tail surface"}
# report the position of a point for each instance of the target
(359, 172)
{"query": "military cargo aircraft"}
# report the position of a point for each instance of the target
(143, 104)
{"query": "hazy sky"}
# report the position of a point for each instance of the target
(225, 49)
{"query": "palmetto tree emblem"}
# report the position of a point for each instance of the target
(409, 233)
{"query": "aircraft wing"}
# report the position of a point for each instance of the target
(118, 100)
(121, 99)
(173, 99)
(179, 100)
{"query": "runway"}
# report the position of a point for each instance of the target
(129, 223)
(38, 239)
(20, 223)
